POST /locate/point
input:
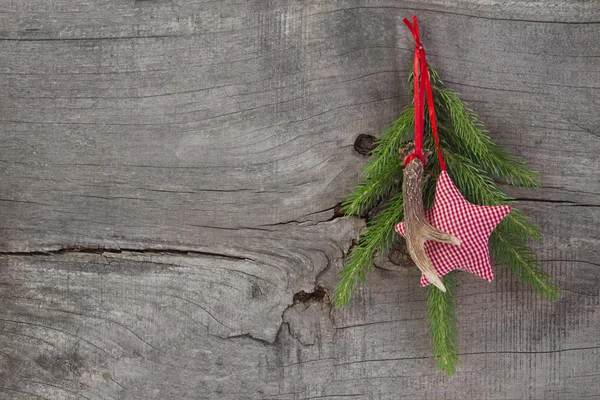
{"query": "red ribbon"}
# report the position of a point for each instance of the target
(422, 85)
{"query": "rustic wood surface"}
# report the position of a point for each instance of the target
(170, 170)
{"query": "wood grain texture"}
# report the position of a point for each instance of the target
(170, 170)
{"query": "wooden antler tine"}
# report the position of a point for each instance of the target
(416, 228)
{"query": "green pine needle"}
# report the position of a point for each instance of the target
(379, 235)
(474, 163)
(443, 324)
(514, 252)
(380, 175)
(472, 140)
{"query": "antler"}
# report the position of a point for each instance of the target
(416, 228)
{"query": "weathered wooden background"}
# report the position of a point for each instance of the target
(169, 171)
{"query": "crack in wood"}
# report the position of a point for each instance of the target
(102, 251)
(561, 202)
(319, 295)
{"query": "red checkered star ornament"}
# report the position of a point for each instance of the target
(470, 223)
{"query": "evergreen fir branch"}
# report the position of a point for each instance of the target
(443, 324)
(473, 161)
(384, 170)
(480, 189)
(378, 237)
(470, 137)
(463, 130)
(519, 225)
(473, 182)
(371, 189)
(514, 252)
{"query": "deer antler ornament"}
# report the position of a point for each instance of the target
(416, 228)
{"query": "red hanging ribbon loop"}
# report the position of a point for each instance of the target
(413, 156)
(422, 85)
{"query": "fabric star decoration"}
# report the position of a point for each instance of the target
(470, 223)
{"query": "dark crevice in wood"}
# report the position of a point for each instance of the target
(86, 38)
(570, 190)
(283, 223)
(544, 200)
(101, 251)
(328, 396)
(292, 334)
(384, 269)
(584, 129)
(579, 293)
(569, 261)
(248, 336)
(364, 144)
(384, 360)
(448, 12)
(379, 323)
(531, 352)
(585, 205)
(398, 254)
(319, 295)
(563, 202)
(337, 212)
(486, 87)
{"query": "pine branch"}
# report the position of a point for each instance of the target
(472, 181)
(513, 251)
(443, 325)
(380, 176)
(378, 236)
(470, 137)
(474, 161)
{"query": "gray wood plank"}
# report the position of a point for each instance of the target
(170, 171)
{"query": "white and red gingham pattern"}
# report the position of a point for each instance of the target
(470, 223)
